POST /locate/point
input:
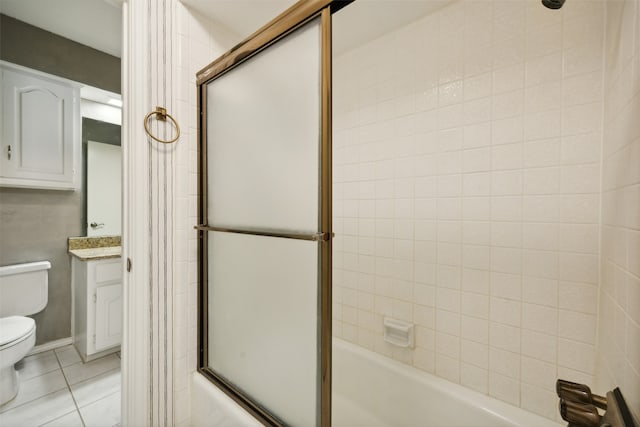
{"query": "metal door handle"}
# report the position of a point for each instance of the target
(96, 225)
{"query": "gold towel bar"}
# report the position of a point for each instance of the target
(161, 114)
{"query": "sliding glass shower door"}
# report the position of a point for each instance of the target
(263, 134)
(265, 219)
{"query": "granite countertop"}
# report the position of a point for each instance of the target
(97, 253)
(93, 248)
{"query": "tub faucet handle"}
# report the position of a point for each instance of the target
(576, 392)
(579, 414)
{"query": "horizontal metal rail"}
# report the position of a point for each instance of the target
(315, 237)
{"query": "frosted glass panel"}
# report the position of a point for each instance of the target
(263, 321)
(263, 138)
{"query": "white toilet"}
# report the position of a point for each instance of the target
(23, 291)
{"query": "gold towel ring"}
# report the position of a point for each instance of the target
(161, 114)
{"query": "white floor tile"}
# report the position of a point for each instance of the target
(37, 364)
(39, 411)
(96, 388)
(68, 355)
(102, 413)
(70, 420)
(82, 371)
(45, 397)
(35, 388)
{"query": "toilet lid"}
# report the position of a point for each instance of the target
(15, 327)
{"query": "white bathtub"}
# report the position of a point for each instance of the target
(370, 390)
(374, 391)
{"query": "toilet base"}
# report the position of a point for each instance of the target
(8, 384)
(9, 356)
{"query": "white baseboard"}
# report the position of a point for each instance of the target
(51, 345)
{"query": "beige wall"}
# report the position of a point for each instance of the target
(33, 47)
(34, 226)
(619, 343)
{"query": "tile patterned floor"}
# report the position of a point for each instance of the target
(58, 390)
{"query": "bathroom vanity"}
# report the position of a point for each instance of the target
(97, 300)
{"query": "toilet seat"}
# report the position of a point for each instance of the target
(15, 329)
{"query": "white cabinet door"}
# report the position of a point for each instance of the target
(108, 316)
(40, 137)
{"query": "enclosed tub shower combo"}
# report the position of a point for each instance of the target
(405, 229)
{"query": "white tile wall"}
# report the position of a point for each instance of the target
(619, 338)
(200, 41)
(467, 195)
(467, 192)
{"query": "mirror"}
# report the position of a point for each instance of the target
(102, 162)
(103, 189)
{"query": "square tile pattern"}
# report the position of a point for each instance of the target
(466, 164)
(57, 389)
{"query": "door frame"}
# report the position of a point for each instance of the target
(136, 393)
(149, 192)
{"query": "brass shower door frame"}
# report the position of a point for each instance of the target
(293, 18)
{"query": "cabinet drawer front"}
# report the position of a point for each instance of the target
(108, 271)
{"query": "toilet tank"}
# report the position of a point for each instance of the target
(24, 288)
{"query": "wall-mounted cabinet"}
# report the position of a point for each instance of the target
(41, 145)
(97, 306)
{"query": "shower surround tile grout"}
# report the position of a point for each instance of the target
(501, 211)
